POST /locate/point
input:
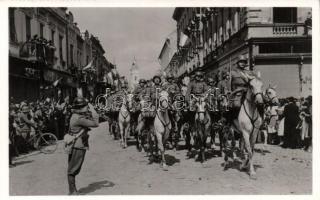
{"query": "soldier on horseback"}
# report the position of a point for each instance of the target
(239, 82)
(197, 87)
(224, 89)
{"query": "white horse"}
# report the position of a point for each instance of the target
(249, 121)
(202, 125)
(124, 119)
(162, 125)
(271, 101)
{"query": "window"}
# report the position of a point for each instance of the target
(60, 48)
(285, 15)
(285, 48)
(52, 36)
(13, 34)
(28, 27)
(41, 29)
(236, 21)
(71, 54)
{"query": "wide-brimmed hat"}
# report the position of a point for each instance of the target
(79, 102)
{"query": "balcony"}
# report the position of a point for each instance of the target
(38, 50)
(285, 29)
(276, 30)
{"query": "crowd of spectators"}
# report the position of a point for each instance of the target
(290, 123)
(25, 118)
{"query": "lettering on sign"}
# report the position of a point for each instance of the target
(30, 72)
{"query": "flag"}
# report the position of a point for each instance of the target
(88, 66)
(79, 92)
(183, 39)
(110, 78)
(56, 82)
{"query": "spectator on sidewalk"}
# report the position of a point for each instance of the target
(306, 124)
(280, 122)
(291, 120)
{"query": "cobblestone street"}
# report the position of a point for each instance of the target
(109, 169)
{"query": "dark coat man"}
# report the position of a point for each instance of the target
(291, 120)
(81, 121)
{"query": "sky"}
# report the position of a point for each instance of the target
(128, 33)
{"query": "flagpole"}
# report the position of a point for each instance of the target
(230, 71)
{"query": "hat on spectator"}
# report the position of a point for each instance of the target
(79, 103)
(25, 109)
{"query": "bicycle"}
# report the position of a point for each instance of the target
(44, 142)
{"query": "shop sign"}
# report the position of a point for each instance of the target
(32, 73)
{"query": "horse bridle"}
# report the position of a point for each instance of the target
(254, 96)
(270, 99)
(127, 108)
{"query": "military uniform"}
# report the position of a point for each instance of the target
(79, 122)
(196, 88)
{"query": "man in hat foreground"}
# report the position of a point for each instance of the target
(83, 117)
(25, 125)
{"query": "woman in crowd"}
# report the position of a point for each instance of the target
(306, 124)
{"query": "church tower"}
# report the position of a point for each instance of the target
(134, 75)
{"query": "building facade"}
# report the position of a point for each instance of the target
(276, 41)
(167, 54)
(37, 51)
(47, 47)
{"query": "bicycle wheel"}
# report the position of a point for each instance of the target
(47, 143)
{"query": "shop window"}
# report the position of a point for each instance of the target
(285, 48)
(28, 27)
(41, 30)
(52, 36)
(285, 15)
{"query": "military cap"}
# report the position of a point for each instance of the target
(199, 73)
(156, 77)
(79, 102)
(242, 58)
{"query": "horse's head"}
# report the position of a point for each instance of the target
(163, 100)
(271, 95)
(255, 86)
(201, 106)
(129, 101)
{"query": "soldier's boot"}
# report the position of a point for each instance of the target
(72, 185)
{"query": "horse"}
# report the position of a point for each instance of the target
(249, 120)
(124, 119)
(162, 125)
(271, 116)
(202, 125)
(176, 118)
(217, 108)
(144, 127)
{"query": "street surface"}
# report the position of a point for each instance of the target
(109, 169)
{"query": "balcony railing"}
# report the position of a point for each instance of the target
(285, 29)
(38, 50)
